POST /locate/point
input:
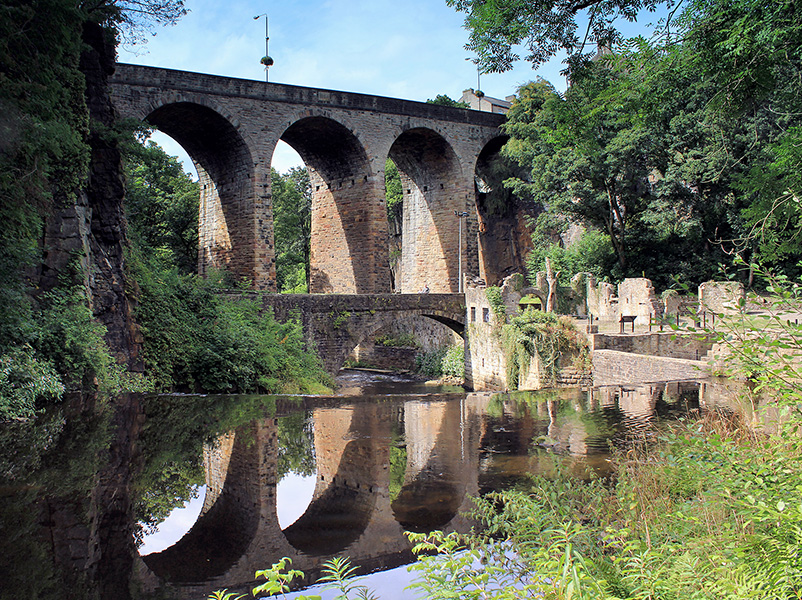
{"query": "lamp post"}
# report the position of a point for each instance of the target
(266, 60)
(460, 215)
(478, 76)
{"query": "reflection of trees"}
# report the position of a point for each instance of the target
(175, 430)
(48, 467)
(296, 445)
(398, 460)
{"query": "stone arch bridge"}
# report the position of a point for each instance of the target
(334, 324)
(230, 128)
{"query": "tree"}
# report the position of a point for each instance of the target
(292, 222)
(497, 26)
(444, 100)
(162, 206)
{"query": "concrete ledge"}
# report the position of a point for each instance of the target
(612, 367)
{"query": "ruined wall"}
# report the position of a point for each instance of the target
(667, 344)
(611, 367)
(721, 296)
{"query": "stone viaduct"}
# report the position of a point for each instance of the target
(230, 128)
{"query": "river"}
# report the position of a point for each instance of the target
(216, 487)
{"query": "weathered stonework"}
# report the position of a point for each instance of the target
(334, 324)
(721, 297)
(230, 128)
(485, 358)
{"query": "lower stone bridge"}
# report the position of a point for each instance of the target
(335, 324)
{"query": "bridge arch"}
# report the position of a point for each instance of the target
(226, 175)
(348, 250)
(431, 178)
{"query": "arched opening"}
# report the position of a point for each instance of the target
(348, 246)
(432, 194)
(504, 241)
(227, 224)
(291, 194)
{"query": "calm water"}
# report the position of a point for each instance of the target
(305, 477)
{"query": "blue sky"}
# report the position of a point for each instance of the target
(412, 49)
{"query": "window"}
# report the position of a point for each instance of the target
(473, 314)
(486, 315)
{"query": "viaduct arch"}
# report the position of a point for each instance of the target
(230, 128)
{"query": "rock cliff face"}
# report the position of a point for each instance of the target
(84, 239)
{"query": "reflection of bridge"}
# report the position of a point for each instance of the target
(335, 324)
(230, 128)
(455, 448)
(351, 511)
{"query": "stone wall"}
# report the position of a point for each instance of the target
(485, 361)
(392, 358)
(721, 296)
(612, 367)
(668, 345)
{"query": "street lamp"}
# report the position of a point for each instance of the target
(479, 93)
(266, 60)
(460, 215)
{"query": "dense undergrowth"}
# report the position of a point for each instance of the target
(197, 338)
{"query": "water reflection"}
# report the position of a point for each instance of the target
(383, 465)
(74, 484)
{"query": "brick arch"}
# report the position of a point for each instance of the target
(348, 251)
(226, 173)
(433, 189)
(365, 326)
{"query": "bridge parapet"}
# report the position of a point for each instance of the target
(334, 324)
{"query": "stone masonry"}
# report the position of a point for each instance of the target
(230, 128)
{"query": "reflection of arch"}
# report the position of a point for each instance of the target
(339, 512)
(433, 490)
(430, 178)
(227, 235)
(349, 224)
(228, 522)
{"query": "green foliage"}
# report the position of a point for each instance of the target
(591, 253)
(338, 575)
(292, 226)
(493, 294)
(197, 338)
(296, 448)
(225, 595)
(162, 207)
(404, 340)
(453, 363)
(23, 381)
(541, 334)
(394, 192)
(448, 361)
(497, 29)
(279, 577)
(444, 100)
